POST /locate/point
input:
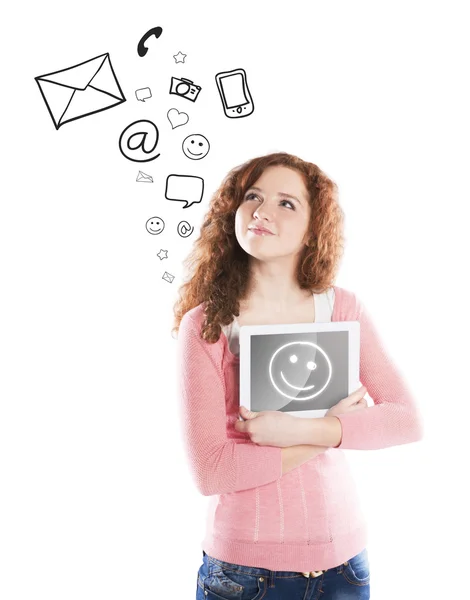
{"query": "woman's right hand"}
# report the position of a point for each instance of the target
(355, 401)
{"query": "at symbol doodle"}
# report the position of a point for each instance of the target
(184, 229)
(139, 140)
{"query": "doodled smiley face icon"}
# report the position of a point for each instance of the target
(300, 370)
(155, 225)
(196, 146)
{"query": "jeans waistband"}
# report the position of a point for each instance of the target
(266, 572)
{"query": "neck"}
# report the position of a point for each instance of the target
(273, 286)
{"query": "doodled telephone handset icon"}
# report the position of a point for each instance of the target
(234, 93)
(141, 47)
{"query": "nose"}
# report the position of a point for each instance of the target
(262, 212)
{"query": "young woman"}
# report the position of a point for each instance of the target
(284, 519)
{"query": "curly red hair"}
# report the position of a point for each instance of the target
(218, 266)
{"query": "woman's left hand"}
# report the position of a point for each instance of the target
(270, 427)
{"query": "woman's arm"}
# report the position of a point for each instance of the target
(324, 431)
(294, 456)
(218, 464)
(394, 419)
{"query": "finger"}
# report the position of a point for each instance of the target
(354, 397)
(359, 393)
(247, 414)
(361, 404)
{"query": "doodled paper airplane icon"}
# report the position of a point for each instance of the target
(141, 176)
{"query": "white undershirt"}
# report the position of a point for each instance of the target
(324, 304)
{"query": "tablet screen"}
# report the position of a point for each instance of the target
(299, 371)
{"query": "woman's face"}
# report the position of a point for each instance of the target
(280, 203)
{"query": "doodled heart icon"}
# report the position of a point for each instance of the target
(177, 118)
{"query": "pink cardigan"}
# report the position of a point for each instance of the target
(309, 518)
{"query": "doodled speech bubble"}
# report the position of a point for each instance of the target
(143, 94)
(184, 188)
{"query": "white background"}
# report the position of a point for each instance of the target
(96, 498)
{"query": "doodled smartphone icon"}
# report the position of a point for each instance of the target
(234, 93)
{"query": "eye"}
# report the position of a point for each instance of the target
(250, 195)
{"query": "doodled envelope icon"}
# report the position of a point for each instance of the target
(81, 90)
(168, 277)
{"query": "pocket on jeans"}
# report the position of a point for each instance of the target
(357, 570)
(224, 584)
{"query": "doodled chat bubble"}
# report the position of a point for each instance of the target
(143, 94)
(184, 188)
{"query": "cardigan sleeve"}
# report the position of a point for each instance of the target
(394, 419)
(218, 464)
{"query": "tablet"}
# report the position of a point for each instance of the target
(300, 368)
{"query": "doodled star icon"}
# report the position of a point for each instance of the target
(179, 57)
(162, 254)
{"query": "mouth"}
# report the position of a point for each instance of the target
(300, 389)
(260, 230)
(194, 153)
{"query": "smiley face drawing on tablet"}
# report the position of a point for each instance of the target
(300, 370)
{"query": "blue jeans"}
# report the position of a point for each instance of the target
(219, 580)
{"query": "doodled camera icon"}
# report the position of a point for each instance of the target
(184, 88)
